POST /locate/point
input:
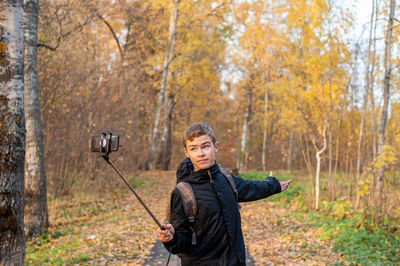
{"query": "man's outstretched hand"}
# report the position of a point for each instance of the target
(167, 234)
(285, 184)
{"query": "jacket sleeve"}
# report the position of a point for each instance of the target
(255, 190)
(183, 233)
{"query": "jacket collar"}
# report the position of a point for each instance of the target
(185, 172)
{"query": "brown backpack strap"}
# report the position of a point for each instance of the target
(189, 205)
(189, 201)
(229, 177)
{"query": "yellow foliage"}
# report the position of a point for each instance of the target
(387, 158)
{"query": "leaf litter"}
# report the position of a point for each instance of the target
(114, 229)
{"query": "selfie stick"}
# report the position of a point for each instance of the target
(108, 160)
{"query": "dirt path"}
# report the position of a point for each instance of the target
(159, 256)
(114, 229)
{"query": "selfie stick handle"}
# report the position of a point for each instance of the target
(108, 160)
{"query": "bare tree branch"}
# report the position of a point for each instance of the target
(112, 32)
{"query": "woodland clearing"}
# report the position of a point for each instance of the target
(113, 228)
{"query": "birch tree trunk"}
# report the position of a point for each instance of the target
(364, 112)
(290, 152)
(207, 115)
(247, 115)
(265, 130)
(237, 143)
(36, 219)
(165, 155)
(359, 146)
(330, 179)
(372, 81)
(168, 55)
(318, 168)
(12, 131)
(371, 92)
(383, 119)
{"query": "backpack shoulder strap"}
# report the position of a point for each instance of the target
(189, 200)
(189, 205)
(229, 177)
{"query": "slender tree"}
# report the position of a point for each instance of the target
(246, 121)
(165, 154)
(371, 95)
(384, 114)
(36, 217)
(12, 131)
(318, 153)
(264, 147)
(169, 54)
(364, 110)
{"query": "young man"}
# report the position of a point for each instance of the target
(215, 236)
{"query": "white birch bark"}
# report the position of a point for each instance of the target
(371, 95)
(36, 218)
(12, 132)
(168, 55)
(364, 111)
(383, 119)
(246, 121)
(265, 130)
(290, 151)
(165, 154)
(318, 154)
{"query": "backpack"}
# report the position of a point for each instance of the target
(189, 200)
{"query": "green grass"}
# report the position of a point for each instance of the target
(359, 245)
(40, 251)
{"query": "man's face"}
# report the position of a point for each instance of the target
(201, 151)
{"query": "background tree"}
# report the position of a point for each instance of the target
(12, 130)
(384, 114)
(169, 55)
(36, 216)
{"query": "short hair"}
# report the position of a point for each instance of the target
(197, 130)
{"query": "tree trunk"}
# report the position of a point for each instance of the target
(165, 154)
(318, 168)
(36, 218)
(264, 147)
(337, 155)
(363, 113)
(12, 130)
(207, 115)
(307, 160)
(330, 179)
(169, 54)
(382, 122)
(237, 143)
(373, 127)
(290, 152)
(246, 120)
(371, 92)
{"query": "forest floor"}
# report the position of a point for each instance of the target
(112, 228)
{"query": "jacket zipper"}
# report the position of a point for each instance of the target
(209, 174)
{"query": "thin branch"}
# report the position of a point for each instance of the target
(61, 35)
(47, 46)
(112, 32)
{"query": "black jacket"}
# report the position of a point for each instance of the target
(217, 224)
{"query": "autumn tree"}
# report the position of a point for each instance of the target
(12, 128)
(169, 54)
(384, 114)
(36, 217)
